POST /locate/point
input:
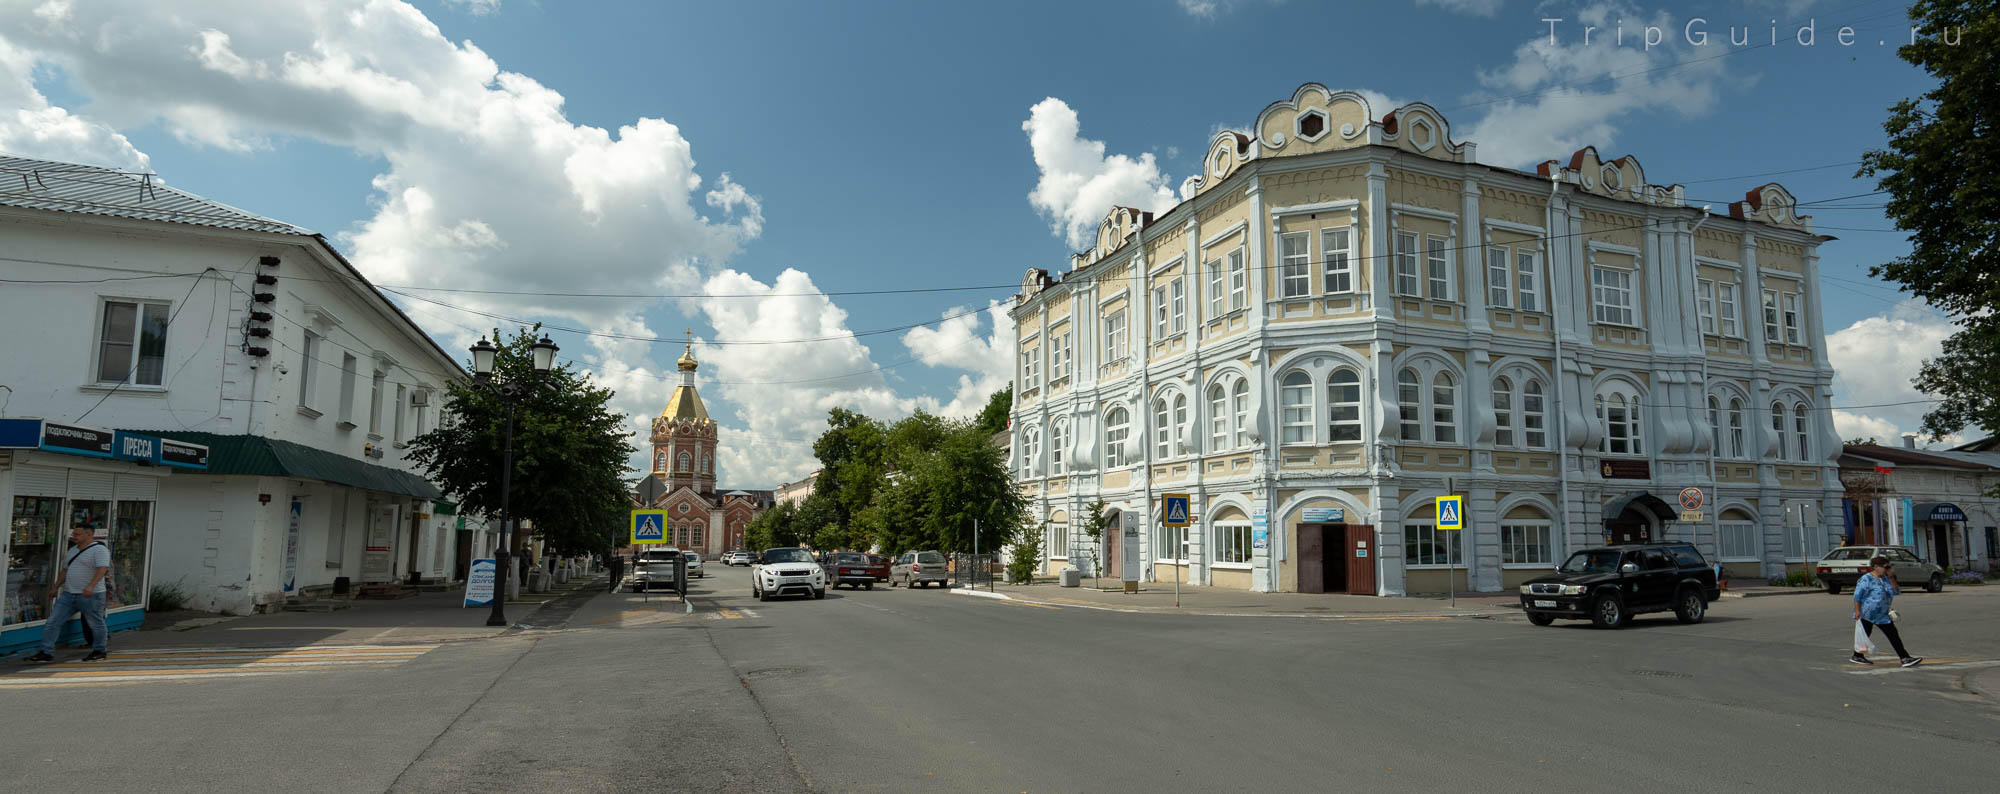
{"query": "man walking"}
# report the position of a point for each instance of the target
(80, 590)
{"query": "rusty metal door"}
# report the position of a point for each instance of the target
(1312, 558)
(1360, 553)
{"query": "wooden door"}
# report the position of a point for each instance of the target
(1360, 553)
(1312, 558)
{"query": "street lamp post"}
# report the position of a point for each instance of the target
(511, 393)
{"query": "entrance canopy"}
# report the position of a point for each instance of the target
(1650, 504)
(1939, 511)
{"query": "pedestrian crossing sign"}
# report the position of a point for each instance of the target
(1174, 509)
(1451, 512)
(649, 527)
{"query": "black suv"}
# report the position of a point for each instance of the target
(1609, 584)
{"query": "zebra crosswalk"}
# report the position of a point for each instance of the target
(182, 664)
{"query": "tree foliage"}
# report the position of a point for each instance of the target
(1941, 170)
(993, 418)
(922, 482)
(1096, 523)
(570, 451)
(1027, 558)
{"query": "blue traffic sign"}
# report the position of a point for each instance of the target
(1451, 512)
(649, 527)
(1174, 509)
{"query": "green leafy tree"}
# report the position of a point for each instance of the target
(1027, 553)
(1095, 523)
(993, 418)
(1941, 170)
(941, 495)
(773, 528)
(570, 451)
(852, 457)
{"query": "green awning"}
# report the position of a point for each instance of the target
(269, 457)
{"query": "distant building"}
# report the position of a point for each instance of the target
(792, 493)
(1934, 501)
(700, 516)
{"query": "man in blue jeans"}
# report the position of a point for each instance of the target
(80, 590)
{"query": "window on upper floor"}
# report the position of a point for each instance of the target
(1801, 440)
(1503, 412)
(402, 408)
(132, 343)
(1239, 281)
(1337, 250)
(1793, 318)
(1715, 428)
(1163, 430)
(1240, 397)
(1159, 313)
(1117, 428)
(1499, 278)
(1704, 304)
(1295, 264)
(349, 376)
(1218, 292)
(1534, 416)
(308, 358)
(1409, 405)
(1427, 402)
(1408, 281)
(1437, 259)
(1060, 355)
(1295, 398)
(1444, 408)
(1343, 398)
(1031, 449)
(1727, 316)
(707, 463)
(1031, 359)
(1177, 304)
(375, 404)
(1058, 441)
(685, 463)
(1778, 430)
(1783, 319)
(1180, 420)
(1513, 277)
(1114, 336)
(660, 461)
(1528, 279)
(1736, 448)
(1611, 296)
(1624, 427)
(1218, 418)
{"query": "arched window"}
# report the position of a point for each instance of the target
(1444, 409)
(1296, 397)
(1620, 417)
(1735, 427)
(1241, 397)
(1801, 446)
(1409, 396)
(694, 535)
(660, 460)
(1534, 416)
(1162, 429)
(1058, 441)
(1343, 398)
(1031, 448)
(1503, 412)
(707, 463)
(1778, 428)
(1117, 426)
(687, 462)
(1218, 418)
(1181, 420)
(1715, 424)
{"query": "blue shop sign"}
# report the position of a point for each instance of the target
(20, 433)
(120, 445)
(1940, 511)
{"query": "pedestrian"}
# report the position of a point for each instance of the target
(617, 570)
(79, 591)
(1874, 592)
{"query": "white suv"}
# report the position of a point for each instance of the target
(787, 570)
(738, 558)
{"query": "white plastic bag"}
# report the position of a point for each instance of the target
(1862, 645)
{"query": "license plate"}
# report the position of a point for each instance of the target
(1550, 604)
(851, 570)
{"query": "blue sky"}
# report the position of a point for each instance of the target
(881, 145)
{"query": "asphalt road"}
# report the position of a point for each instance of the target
(898, 690)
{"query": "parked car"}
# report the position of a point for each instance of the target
(879, 566)
(738, 558)
(848, 568)
(916, 568)
(1607, 585)
(694, 565)
(1843, 566)
(786, 571)
(654, 568)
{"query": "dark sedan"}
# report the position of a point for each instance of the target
(848, 568)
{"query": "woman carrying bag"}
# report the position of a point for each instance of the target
(1873, 593)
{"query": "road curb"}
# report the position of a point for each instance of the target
(1216, 614)
(1764, 593)
(963, 591)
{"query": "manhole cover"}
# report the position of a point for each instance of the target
(773, 672)
(1661, 674)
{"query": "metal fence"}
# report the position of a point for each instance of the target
(975, 570)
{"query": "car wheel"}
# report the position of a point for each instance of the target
(1540, 619)
(820, 593)
(1607, 612)
(868, 586)
(1936, 584)
(1833, 588)
(762, 596)
(1689, 606)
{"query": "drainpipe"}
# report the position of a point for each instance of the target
(1562, 418)
(1701, 345)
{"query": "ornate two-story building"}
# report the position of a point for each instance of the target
(1349, 315)
(682, 481)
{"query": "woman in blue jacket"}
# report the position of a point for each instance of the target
(1873, 593)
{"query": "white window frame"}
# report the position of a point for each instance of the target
(1177, 294)
(376, 382)
(1633, 424)
(1518, 539)
(1534, 421)
(402, 408)
(1410, 405)
(1239, 281)
(1180, 421)
(308, 384)
(1415, 531)
(1499, 278)
(1058, 541)
(1503, 411)
(1726, 310)
(1603, 288)
(1170, 538)
(1801, 434)
(1031, 448)
(1060, 356)
(1218, 417)
(1116, 436)
(1794, 317)
(1409, 282)
(1216, 291)
(1440, 269)
(1704, 304)
(1337, 251)
(1738, 541)
(1159, 313)
(1444, 407)
(1771, 325)
(1736, 443)
(1335, 405)
(350, 368)
(1296, 415)
(1528, 280)
(1778, 429)
(1114, 336)
(1295, 266)
(133, 370)
(1233, 545)
(1058, 439)
(1239, 396)
(1163, 432)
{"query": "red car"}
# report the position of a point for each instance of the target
(879, 565)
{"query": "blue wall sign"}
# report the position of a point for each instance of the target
(20, 433)
(1323, 515)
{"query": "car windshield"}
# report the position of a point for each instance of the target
(849, 558)
(1850, 554)
(930, 557)
(658, 556)
(786, 555)
(1596, 561)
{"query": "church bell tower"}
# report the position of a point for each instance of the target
(684, 436)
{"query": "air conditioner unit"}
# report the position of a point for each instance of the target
(420, 399)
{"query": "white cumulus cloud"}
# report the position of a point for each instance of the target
(987, 357)
(1079, 183)
(1875, 360)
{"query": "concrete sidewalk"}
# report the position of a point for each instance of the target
(1156, 597)
(428, 617)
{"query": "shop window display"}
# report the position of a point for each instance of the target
(128, 554)
(37, 536)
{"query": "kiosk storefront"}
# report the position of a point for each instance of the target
(57, 476)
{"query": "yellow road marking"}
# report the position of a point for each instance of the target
(1027, 604)
(731, 614)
